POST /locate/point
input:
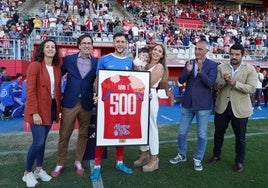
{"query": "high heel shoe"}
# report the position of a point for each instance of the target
(143, 160)
(151, 166)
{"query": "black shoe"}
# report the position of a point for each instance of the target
(239, 167)
(214, 159)
(7, 118)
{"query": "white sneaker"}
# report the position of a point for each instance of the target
(30, 180)
(259, 108)
(42, 175)
(198, 165)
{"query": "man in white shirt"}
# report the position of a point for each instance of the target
(135, 30)
(141, 43)
(257, 95)
(3, 20)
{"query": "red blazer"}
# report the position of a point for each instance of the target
(38, 92)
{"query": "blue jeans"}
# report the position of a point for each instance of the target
(37, 149)
(258, 96)
(202, 118)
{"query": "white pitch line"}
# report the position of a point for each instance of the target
(211, 138)
(4, 153)
(167, 118)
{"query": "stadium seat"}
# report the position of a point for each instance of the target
(247, 57)
(98, 39)
(181, 56)
(105, 39)
(181, 51)
(174, 50)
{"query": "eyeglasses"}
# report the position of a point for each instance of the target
(86, 43)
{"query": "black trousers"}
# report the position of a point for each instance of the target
(265, 92)
(53, 111)
(239, 126)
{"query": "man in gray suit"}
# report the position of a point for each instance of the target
(235, 82)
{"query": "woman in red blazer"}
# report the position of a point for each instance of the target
(42, 106)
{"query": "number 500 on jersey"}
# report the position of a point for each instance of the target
(123, 108)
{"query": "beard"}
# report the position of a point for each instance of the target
(120, 50)
(235, 62)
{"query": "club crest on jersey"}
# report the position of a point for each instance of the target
(121, 130)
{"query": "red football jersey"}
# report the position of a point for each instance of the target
(122, 97)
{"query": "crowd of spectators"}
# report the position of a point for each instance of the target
(222, 26)
(151, 22)
(11, 27)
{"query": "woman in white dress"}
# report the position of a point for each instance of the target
(159, 73)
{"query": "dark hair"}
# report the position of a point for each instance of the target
(120, 34)
(144, 50)
(163, 62)
(39, 55)
(238, 46)
(2, 69)
(19, 75)
(82, 37)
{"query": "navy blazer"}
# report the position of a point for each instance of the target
(198, 90)
(76, 86)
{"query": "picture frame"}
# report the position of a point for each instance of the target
(123, 108)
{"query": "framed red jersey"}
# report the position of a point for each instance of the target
(123, 108)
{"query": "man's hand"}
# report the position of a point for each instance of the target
(229, 79)
(199, 66)
(189, 66)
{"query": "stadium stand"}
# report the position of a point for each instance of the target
(177, 26)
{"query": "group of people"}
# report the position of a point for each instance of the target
(234, 82)
(44, 102)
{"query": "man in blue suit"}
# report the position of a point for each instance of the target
(199, 74)
(77, 102)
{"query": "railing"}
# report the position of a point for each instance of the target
(12, 49)
(187, 52)
(104, 39)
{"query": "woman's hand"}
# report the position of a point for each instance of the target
(150, 96)
(95, 98)
(37, 119)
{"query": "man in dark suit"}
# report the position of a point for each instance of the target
(77, 102)
(199, 75)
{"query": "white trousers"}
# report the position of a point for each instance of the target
(153, 128)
